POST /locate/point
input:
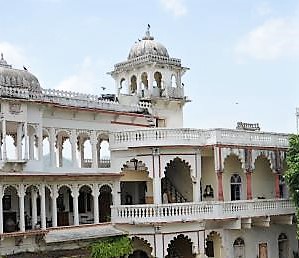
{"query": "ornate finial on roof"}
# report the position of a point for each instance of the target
(148, 34)
(3, 62)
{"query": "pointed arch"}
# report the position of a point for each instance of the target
(140, 244)
(177, 181)
(181, 246)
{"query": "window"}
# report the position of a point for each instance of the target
(235, 186)
(239, 248)
(283, 246)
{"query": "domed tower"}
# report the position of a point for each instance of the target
(17, 79)
(150, 74)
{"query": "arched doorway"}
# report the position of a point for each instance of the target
(181, 246)
(138, 254)
(10, 204)
(85, 201)
(239, 248)
(235, 187)
(64, 204)
(136, 185)
(283, 246)
(213, 245)
(177, 182)
(105, 201)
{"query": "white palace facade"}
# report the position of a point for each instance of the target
(76, 167)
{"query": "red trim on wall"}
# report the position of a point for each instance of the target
(131, 124)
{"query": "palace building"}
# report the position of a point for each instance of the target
(75, 168)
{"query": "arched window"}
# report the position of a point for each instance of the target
(239, 248)
(283, 246)
(235, 187)
(133, 87)
(123, 86)
(158, 79)
(173, 81)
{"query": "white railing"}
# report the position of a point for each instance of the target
(145, 59)
(196, 137)
(69, 98)
(103, 163)
(150, 213)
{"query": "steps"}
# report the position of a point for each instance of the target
(175, 195)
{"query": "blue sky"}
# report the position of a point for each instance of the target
(243, 54)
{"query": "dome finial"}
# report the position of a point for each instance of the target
(3, 62)
(148, 34)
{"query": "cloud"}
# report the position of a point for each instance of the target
(14, 55)
(176, 7)
(264, 9)
(276, 38)
(86, 79)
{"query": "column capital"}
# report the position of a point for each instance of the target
(75, 191)
(156, 151)
(21, 191)
(95, 190)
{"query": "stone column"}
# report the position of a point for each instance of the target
(157, 177)
(95, 194)
(220, 185)
(26, 141)
(52, 140)
(94, 142)
(42, 191)
(196, 183)
(150, 82)
(277, 189)
(19, 141)
(31, 146)
(21, 194)
(248, 185)
(1, 146)
(40, 142)
(59, 145)
(1, 209)
(116, 194)
(54, 195)
(75, 195)
(33, 208)
(73, 141)
(4, 156)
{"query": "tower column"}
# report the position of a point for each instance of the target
(54, 195)
(34, 208)
(220, 185)
(21, 194)
(4, 156)
(75, 195)
(52, 139)
(248, 185)
(95, 194)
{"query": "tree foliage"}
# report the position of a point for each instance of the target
(112, 247)
(292, 175)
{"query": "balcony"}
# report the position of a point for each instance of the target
(196, 137)
(149, 213)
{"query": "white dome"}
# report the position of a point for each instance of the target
(10, 77)
(147, 46)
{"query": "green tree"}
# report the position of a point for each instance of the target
(112, 247)
(292, 175)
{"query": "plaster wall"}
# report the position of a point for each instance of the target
(253, 237)
(263, 180)
(208, 176)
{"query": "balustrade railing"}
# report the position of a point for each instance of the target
(72, 99)
(149, 213)
(197, 137)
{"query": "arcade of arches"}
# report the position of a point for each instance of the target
(26, 207)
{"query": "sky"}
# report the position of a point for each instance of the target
(243, 55)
